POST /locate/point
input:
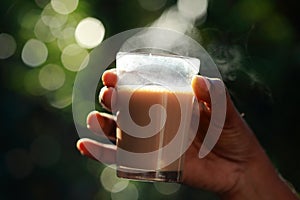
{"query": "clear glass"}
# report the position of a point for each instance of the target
(153, 106)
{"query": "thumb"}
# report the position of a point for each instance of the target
(205, 88)
(201, 88)
(213, 92)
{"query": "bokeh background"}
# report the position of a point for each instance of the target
(42, 46)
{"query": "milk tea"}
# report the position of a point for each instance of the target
(178, 105)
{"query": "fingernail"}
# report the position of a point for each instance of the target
(196, 81)
(102, 99)
(93, 121)
(80, 148)
(101, 94)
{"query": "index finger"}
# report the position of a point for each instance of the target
(109, 78)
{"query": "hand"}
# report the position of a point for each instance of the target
(235, 168)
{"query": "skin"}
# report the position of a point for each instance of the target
(236, 168)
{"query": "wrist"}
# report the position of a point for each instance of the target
(260, 181)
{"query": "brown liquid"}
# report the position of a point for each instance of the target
(140, 102)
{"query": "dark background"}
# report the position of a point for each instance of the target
(254, 43)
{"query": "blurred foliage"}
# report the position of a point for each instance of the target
(254, 43)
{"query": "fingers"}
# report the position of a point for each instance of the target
(102, 124)
(109, 78)
(205, 87)
(201, 87)
(104, 153)
(105, 97)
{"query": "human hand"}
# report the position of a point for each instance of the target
(227, 170)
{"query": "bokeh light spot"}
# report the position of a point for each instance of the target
(66, 38)
(34, 53)
(52, 18)
(62, 97)
(8, 45)
(192, 9)
(152, 5)
(121, 185)
(43, 32)
(18, 163)
(89, 32)
(52, 77)
(62, 43)
(45, 151)
(64, 6)
(111, 182)
(166, 188)
(74, 58)
(68, 32)
(129, 193)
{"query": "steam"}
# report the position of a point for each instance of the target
(241, 80)
(180, 18)
(183, 17)
(228, 59)
(173, 20)
(193, 10)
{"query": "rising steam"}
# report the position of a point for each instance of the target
(183, 17)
